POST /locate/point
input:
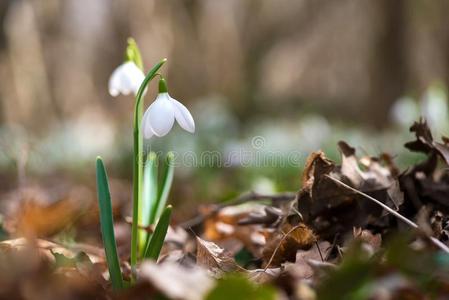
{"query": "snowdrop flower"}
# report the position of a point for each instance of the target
(159, 118)
(434, 107)
(125, 79)
(404, 111)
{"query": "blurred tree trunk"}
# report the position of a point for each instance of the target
(428, 42)
(3, 11)
(387, 67)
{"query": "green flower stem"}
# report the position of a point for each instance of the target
(138, 160)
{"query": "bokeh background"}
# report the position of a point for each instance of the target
(299, 74)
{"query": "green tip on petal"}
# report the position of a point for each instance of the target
(132, 53)
(162, 86)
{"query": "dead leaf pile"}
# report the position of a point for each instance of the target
(326, 241)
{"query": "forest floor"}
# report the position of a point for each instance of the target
(360, 229)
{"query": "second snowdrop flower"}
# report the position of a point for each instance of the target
(128, 77)
(159, 118)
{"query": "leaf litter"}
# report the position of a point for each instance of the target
(347, 233)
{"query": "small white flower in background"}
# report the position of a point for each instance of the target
(434, 107)
(404, 111)
(263, 185)
(126, 79)
(159, 118)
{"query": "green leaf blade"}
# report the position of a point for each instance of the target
(167, 180)
(107, 225)
(149, 197)
(156, 241)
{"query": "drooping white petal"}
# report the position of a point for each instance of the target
(146, 126)
(183, 116)
(161, 115)
(125, 79)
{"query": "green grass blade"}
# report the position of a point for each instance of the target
(167, 180)
(107, 225)
(149, 197)
(157, 239)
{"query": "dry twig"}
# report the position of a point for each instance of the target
(434, 240)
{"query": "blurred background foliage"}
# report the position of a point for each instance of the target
(298, 74)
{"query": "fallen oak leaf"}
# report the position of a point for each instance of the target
(46, 248)
(262, 276)
(177, 281)
(271, 216)
(317, 194)
(233, 226)
(435, 241)
(221, 224)
(217, 260)
(375, 177)
(284, 246)
(243, 198)
(319, 265)
(349, 165)
(39, 220)
(210, 256)
(425, 183)
(329, 209)
(424, 141)
(374, 240)
(302, 268)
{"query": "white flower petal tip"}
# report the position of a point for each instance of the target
(146, 127)
(159, 118)
(183, 116)
(125, 79)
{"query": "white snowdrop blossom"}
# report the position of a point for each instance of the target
(159, 118)
(126, 79)
(404, 111)
(434, 106)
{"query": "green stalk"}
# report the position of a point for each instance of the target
(138, 160)
(107, 226)
(149, 197)
(157, 239)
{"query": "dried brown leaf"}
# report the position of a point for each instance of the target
(302, 269)
(212, 257)
(177, 281)
(366, 236)
(424, 141)
(284, 245)
(330, 209)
